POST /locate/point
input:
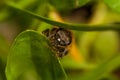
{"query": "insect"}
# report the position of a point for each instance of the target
(60, 39)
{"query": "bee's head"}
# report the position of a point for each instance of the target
(63, 36)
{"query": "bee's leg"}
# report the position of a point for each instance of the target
(52, 32)
(61, 54)
(65, 52)
(50, 36)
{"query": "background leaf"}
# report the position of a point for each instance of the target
(114, 4)
(4, 48)
(63, 5)
(30, 57)
(104, 68)
(105, 46)
(82, 2)
(2, 72)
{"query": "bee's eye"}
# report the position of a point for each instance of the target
(63, 37)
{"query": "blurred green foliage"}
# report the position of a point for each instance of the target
(29, 57)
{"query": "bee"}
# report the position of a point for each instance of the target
(60, 39)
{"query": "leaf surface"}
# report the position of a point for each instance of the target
(30, 57)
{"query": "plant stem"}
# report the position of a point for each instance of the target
(79, 27)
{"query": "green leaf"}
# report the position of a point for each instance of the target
(67, 5)
(2, 70)
(99, 46)
(30, 57)
(79, 27)
(25, 3)
(105, 46)
(41, 9)
(4, 48)
(4, 14)
(82, 2)
(63, 5)
(113, 4)
(86, 43)
(3, 54)
(103, 69)
(43, 26)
